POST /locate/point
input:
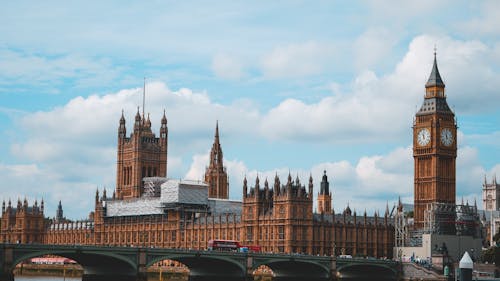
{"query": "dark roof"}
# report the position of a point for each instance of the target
(435, 78)
(434, 105)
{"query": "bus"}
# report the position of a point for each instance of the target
(223, 245)
(232, 246)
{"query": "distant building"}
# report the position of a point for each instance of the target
(23, 224)
(491, 195)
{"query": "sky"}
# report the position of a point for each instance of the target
(297, 87)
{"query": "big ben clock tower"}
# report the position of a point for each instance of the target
(434, 149)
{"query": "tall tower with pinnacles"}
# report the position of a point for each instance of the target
(434, 148)
(140, 155)
(215, 173)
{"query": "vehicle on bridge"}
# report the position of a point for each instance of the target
(231, 246)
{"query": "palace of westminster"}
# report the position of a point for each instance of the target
(148, 209)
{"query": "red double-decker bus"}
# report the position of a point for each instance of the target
(231, 245)
(223, 245)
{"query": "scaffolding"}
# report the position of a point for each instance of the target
(401, 227)
(468, 221)
(152, 186)
(440, 218)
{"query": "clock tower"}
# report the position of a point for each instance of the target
(434, 149)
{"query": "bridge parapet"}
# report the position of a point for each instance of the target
(102, 263)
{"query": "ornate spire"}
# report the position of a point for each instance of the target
(435, 78)
(216, 174)
(245, 187)
(122, 119)
(164, 118)
(325, 185)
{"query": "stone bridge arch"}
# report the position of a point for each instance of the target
(207, 267)
(97, 265)
(367, 271)
(297, 270)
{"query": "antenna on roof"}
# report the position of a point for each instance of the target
(143, 98)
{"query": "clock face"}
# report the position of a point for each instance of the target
(446, 137)
(423, 137)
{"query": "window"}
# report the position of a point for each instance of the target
(281, 232)
(249, 233)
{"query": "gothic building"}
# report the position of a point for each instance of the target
(148, 209)
(434, 149)
(22, 224)
(140, 155)
(491, 195)
(325, 197)
(215, 173)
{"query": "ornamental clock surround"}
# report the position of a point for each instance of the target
(423, 137)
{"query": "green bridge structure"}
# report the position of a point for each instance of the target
(102, 263)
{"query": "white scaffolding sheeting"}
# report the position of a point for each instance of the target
(134, 207)
(184, 192)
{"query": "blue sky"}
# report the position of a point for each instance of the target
(296, 86)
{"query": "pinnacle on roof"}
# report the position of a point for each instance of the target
(435, 77)
(217, 130)
(122, 119)
(164, 118)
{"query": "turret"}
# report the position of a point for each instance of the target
(311, 186)
(42, 206)
(386, 209)
(122, 129)
(277, 185)
(148, 122)
(163, 128)
(245, 187)
(97, 196)
(137, 124)
(257, 187)
(59, 213)
(266, 189)
(3, 206)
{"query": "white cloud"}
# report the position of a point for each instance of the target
(19, 68)
(75, 144)
(372, 46)
(383, 107)
(227, 67)
(487, 22)
(298, 60)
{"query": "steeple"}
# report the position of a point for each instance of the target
(215, 173)
(435, 85)
(137, 124)
(59, 213)
(325, 186)
(435, 77)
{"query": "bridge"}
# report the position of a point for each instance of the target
(130, 264)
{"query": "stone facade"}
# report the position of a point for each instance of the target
(140, 155)
(24, 224)
(279, 219)
(491, 195)
(215, 174)
(434, 149)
